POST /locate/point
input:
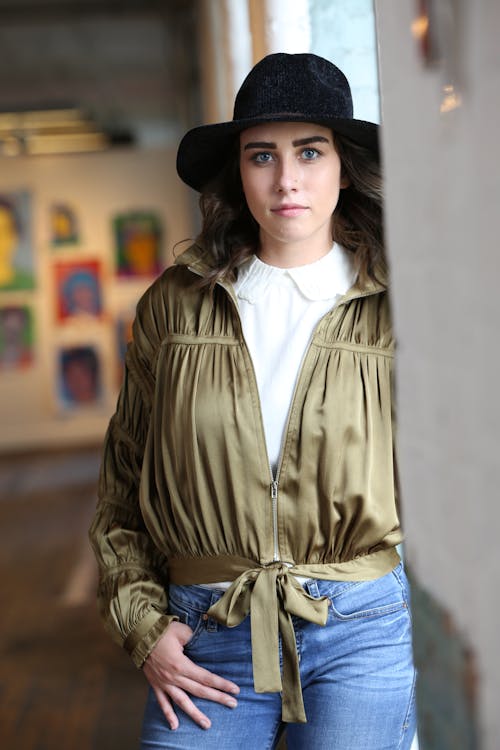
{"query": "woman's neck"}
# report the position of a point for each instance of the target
(292, 255)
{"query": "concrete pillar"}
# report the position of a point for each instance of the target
(441, 153)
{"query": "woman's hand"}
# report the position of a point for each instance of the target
(172, 676)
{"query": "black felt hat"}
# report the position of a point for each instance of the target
(280, 88)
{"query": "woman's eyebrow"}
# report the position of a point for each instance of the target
(298, 142)
(259, 144)
(312, 139)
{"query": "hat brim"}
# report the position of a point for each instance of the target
(203, 150)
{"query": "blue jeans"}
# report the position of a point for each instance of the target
(357, 673)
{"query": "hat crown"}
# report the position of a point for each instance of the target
(301, 84)
(280, 88)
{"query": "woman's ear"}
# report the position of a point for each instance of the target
(344, 181)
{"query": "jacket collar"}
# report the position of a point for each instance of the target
(195, 257)
(199, 260)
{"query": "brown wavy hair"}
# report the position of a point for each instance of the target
(230, 234)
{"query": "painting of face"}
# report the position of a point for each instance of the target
(79, 371)
(16, 337)
(78, 285)
(138, 237)
(16, 251)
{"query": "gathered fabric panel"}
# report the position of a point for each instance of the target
(185, 472)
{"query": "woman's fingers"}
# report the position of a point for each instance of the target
(206, 680)
(181, 699)
(184, 702)
(166, 707)
(174, 677)
(201, 690)
(193, 681)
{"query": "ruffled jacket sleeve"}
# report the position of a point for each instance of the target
(132, 573)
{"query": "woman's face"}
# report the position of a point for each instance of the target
(290, 172)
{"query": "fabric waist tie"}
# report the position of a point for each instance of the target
(271, 594)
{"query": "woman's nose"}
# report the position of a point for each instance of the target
(287, 176)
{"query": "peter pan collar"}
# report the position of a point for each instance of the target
(324, 279)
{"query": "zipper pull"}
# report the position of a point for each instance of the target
(274, 490)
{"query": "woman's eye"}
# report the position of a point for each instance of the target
(310, 153)
(262, 158)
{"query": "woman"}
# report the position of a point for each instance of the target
(248, 520)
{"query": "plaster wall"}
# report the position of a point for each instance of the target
(443, 193)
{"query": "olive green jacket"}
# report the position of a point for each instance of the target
(186, 490)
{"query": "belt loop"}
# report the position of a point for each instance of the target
(311, 586)
(212, 625)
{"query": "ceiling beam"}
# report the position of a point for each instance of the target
(13, 11)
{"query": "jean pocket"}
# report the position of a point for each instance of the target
(190, 616)
(375, 598)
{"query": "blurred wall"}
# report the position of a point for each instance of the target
(97, 187)
(441, 115)
(130, 67)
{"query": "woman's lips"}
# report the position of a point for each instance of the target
(289, 210)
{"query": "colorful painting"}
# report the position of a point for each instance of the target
(138, 239)
(63, 225)
(16, 250)
(79, 376)
(16, 337)
(78, 289)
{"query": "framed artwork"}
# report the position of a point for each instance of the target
(16, 337)
(78, 289)
(79, 377)
(63, 225)
(138, 244)
(16, 250)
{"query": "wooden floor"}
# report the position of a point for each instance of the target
(63, 684)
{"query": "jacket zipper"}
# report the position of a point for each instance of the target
(275, 478)
(274, 486)
(274, 506)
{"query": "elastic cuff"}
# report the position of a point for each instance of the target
(146, 634)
